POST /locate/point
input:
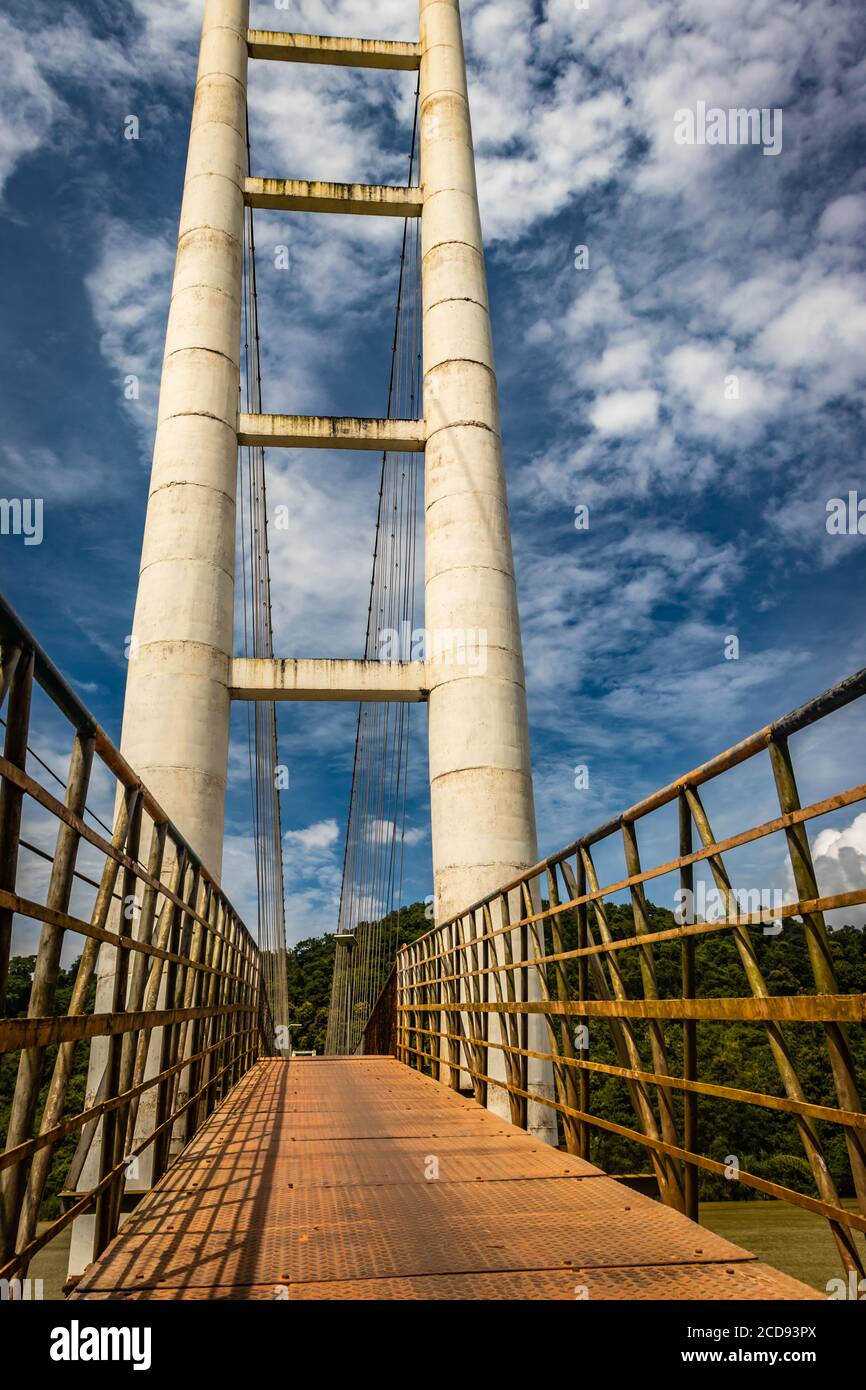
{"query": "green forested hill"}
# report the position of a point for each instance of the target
(311, 964)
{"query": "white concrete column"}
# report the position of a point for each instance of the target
(481, 787)
(176, 716)
(176, 713)
(482, 811)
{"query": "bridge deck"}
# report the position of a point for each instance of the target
(315, 1180)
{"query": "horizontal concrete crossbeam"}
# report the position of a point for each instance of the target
(310, 195)
(349, 53)
(331, 432)
(316, 679)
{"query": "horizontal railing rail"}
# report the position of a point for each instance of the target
(528, 974)
(166, 987)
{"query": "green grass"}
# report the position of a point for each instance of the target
(786, 1237)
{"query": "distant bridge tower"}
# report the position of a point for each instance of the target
(182, 673)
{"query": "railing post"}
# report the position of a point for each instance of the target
(231, 1022)
(108, 1203)
(182, 1087)
(821, 960)
(622, 1033)
(658, 1046)
(18, 678)
(485, 1017)
(41, 1003)
(253, 977)
(415, 1041)
(564, 1074)
(217, 1028)
(143, 932)
(690, 1027)
(506, 1066)
(203, 1031)
(10, 655)
(171, 990)
(539, 1072)
(84, 1161)
(144, 1111)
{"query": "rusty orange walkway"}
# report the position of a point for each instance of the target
(358, 1178)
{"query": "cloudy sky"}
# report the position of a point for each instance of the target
(693, 377)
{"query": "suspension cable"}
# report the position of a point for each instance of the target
(370, 898)
(264, 768)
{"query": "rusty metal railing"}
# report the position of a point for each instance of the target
(176, 1014)
(495, 989)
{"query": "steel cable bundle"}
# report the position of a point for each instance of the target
(263, 751)
(369, 917)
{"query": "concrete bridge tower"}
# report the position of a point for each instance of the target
(177, 710)
(483, 820)
(182, 674)
(179, 687)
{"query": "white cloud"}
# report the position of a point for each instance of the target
(322, 835)
(625, 362)
(822, 333)
(625, 412)
(596, 302)
(380, 831)
(394, 19)
(28, 104)
(33, 108)
(129, 289)
(415, 835)
(238, 879)
(718, 391)
(313, 871)
(845, 218)
(538, 143)
(320, 566)
(749, 304)
(840, 867)
(169, 29)
(41, 472)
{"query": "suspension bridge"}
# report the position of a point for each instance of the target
(443, 1148)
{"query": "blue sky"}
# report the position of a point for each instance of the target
(707, 515)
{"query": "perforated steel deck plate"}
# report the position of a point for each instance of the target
(360, 1179)
(746, 1280)
(373, 1162)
